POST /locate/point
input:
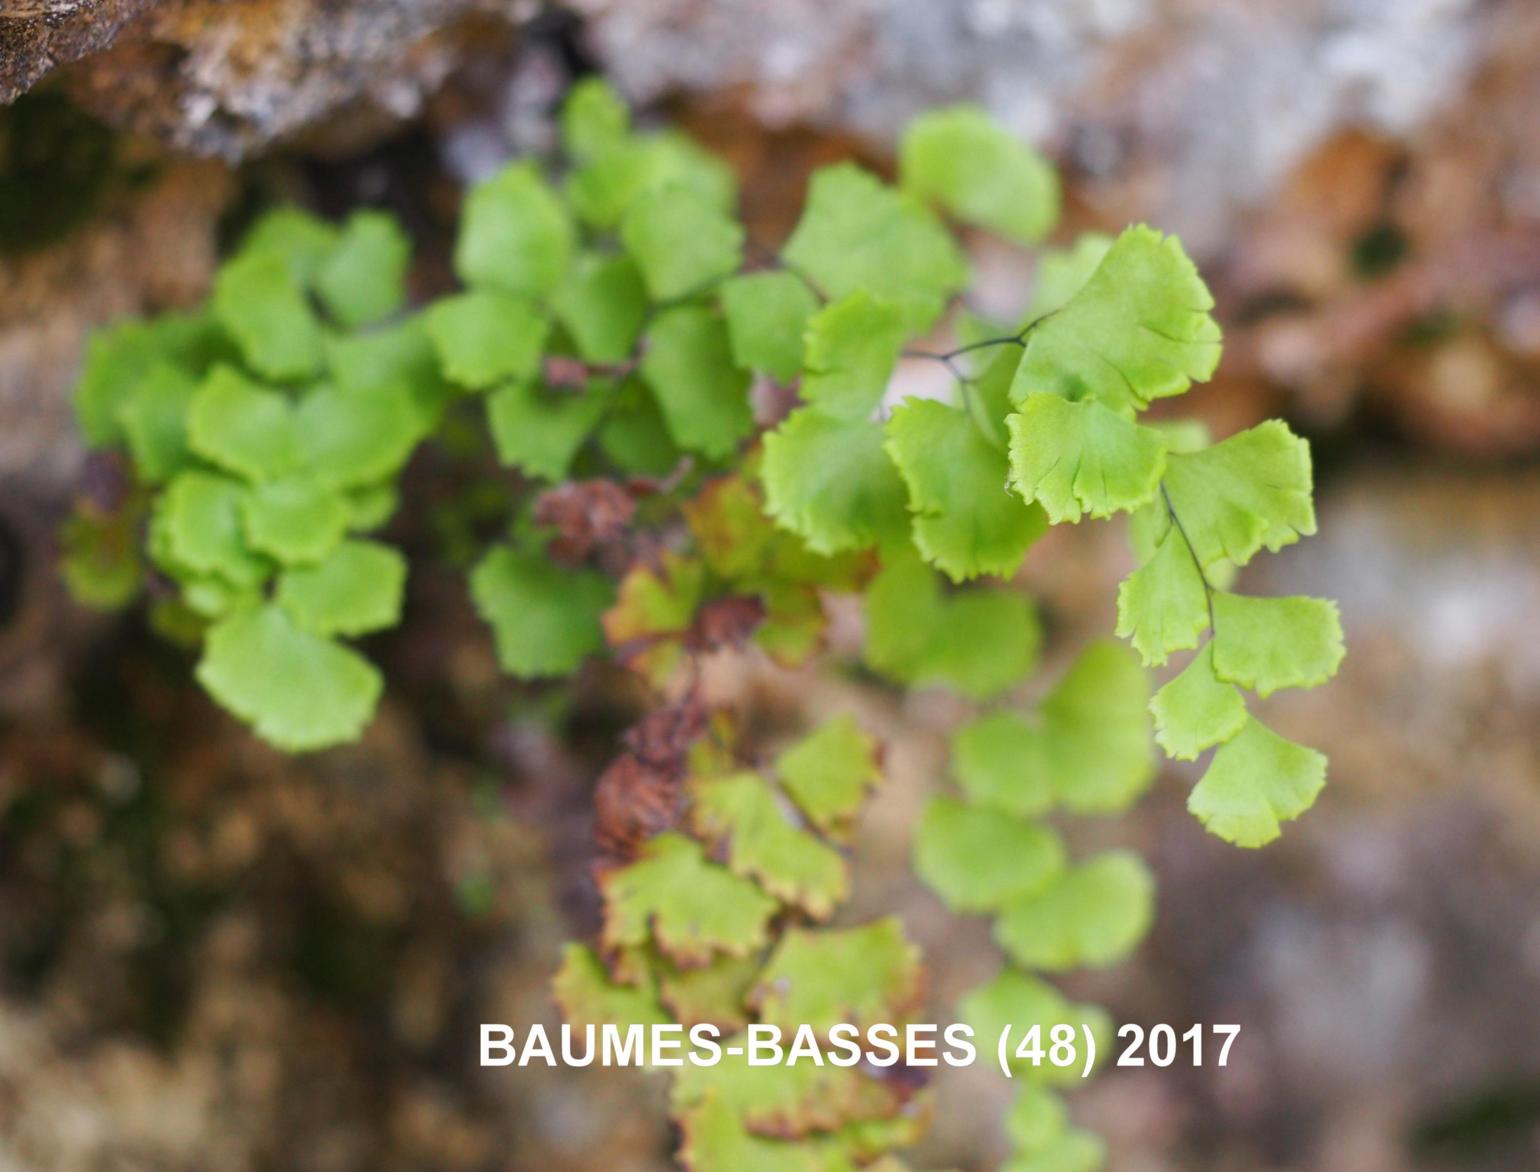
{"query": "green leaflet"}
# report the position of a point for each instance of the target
(1138, 329)
(603, 305)
(484, 338)
(857, 233)
(355, 589)
(334, 438)
(1063, 272)
(209, 597)
(829, 774)
(302, 240)
(633, 435)
(997, 762)
(1091, 736)
(539, 431)
(1183, 435)
(197, 524)
(393, 360)
(903, 610)
(966, 521)
(295, 520)
(115, 359)
(831, 483)
(621, 172)
(717, 994)
(1163, 605)
(877, 1138)
(257, 299)
(1249, 492)
(764, 841)
(857, 975)
(730, 529)
(766, 316)
(978, 642)
(690, 907)
(739, 542)
(348, 438)
(242, 426)
(1038, 1126)
(978, 859)
(794, 623)
(1256, 781)
(715, 1137)
(655, 603)
(298, 690)
(153, 421)
(653, 610)
(120, 357)
(681, 241)
(1075, 458)
(1097, 730)
(588, 995)
(852, 347)
(383, 356)
(372, 507)
(1073, 1151)
(1016, 999)
(211, 532)
(1036, 1118)
(1270, 643)
(973, 168)
(101, 563)
(987, 400)
(545, 619)
(1090, 915)
(790, 1099)
(1196, 709)
(703, 397)
(515, 235)
(594, 119)
(363, 279)
(988, 642)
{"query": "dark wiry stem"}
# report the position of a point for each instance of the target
(1208, 587)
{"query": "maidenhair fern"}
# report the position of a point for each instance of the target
(611, 335)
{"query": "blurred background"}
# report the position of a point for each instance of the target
(216, 958)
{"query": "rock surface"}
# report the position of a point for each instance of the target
(143, 248)
(232, 77)
(1222, 97)
(38, 35)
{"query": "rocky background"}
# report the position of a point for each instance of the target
(215, 958)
